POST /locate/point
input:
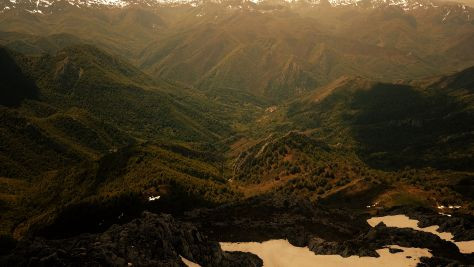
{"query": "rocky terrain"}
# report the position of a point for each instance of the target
(160, 240)
(460, 225)
(151, 240)
(331, 231)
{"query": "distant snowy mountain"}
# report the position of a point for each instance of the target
(51, 6)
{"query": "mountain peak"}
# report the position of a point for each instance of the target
(45, 6)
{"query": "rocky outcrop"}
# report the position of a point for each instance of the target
(460, 225)
(275, 216)
(160, 240)
(151, 240)
(444, 252)
(381, 236)
(323, 229)
(345, 248)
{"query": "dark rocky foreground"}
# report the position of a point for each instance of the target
(329, 231)
(276, 217)
(444, 252)
(160, 240)
(151, 240)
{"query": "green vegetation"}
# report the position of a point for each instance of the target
(99, 137)
(80, 143)
(395, 125)
(275, 51)
(180, 175)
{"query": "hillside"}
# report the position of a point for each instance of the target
(77, 118)
(87, 78)
(92, 195)
(15, 86)
(339, 136)
(76, 109)
(395, 125)
(271, 49)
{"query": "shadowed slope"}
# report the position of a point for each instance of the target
(15, 86)
(394, 125)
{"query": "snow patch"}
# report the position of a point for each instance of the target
(373, 205)
(446, 15)
(153, 198)
(444, 214)
(188, 262)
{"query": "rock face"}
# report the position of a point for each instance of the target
(160, 240)
(444, 252)
(151, 240)
(461, 226)
(380, 236)
(324, 230)
(269, 217)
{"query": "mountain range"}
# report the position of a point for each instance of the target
(246, 120)
(406, 4)
(275, 50)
